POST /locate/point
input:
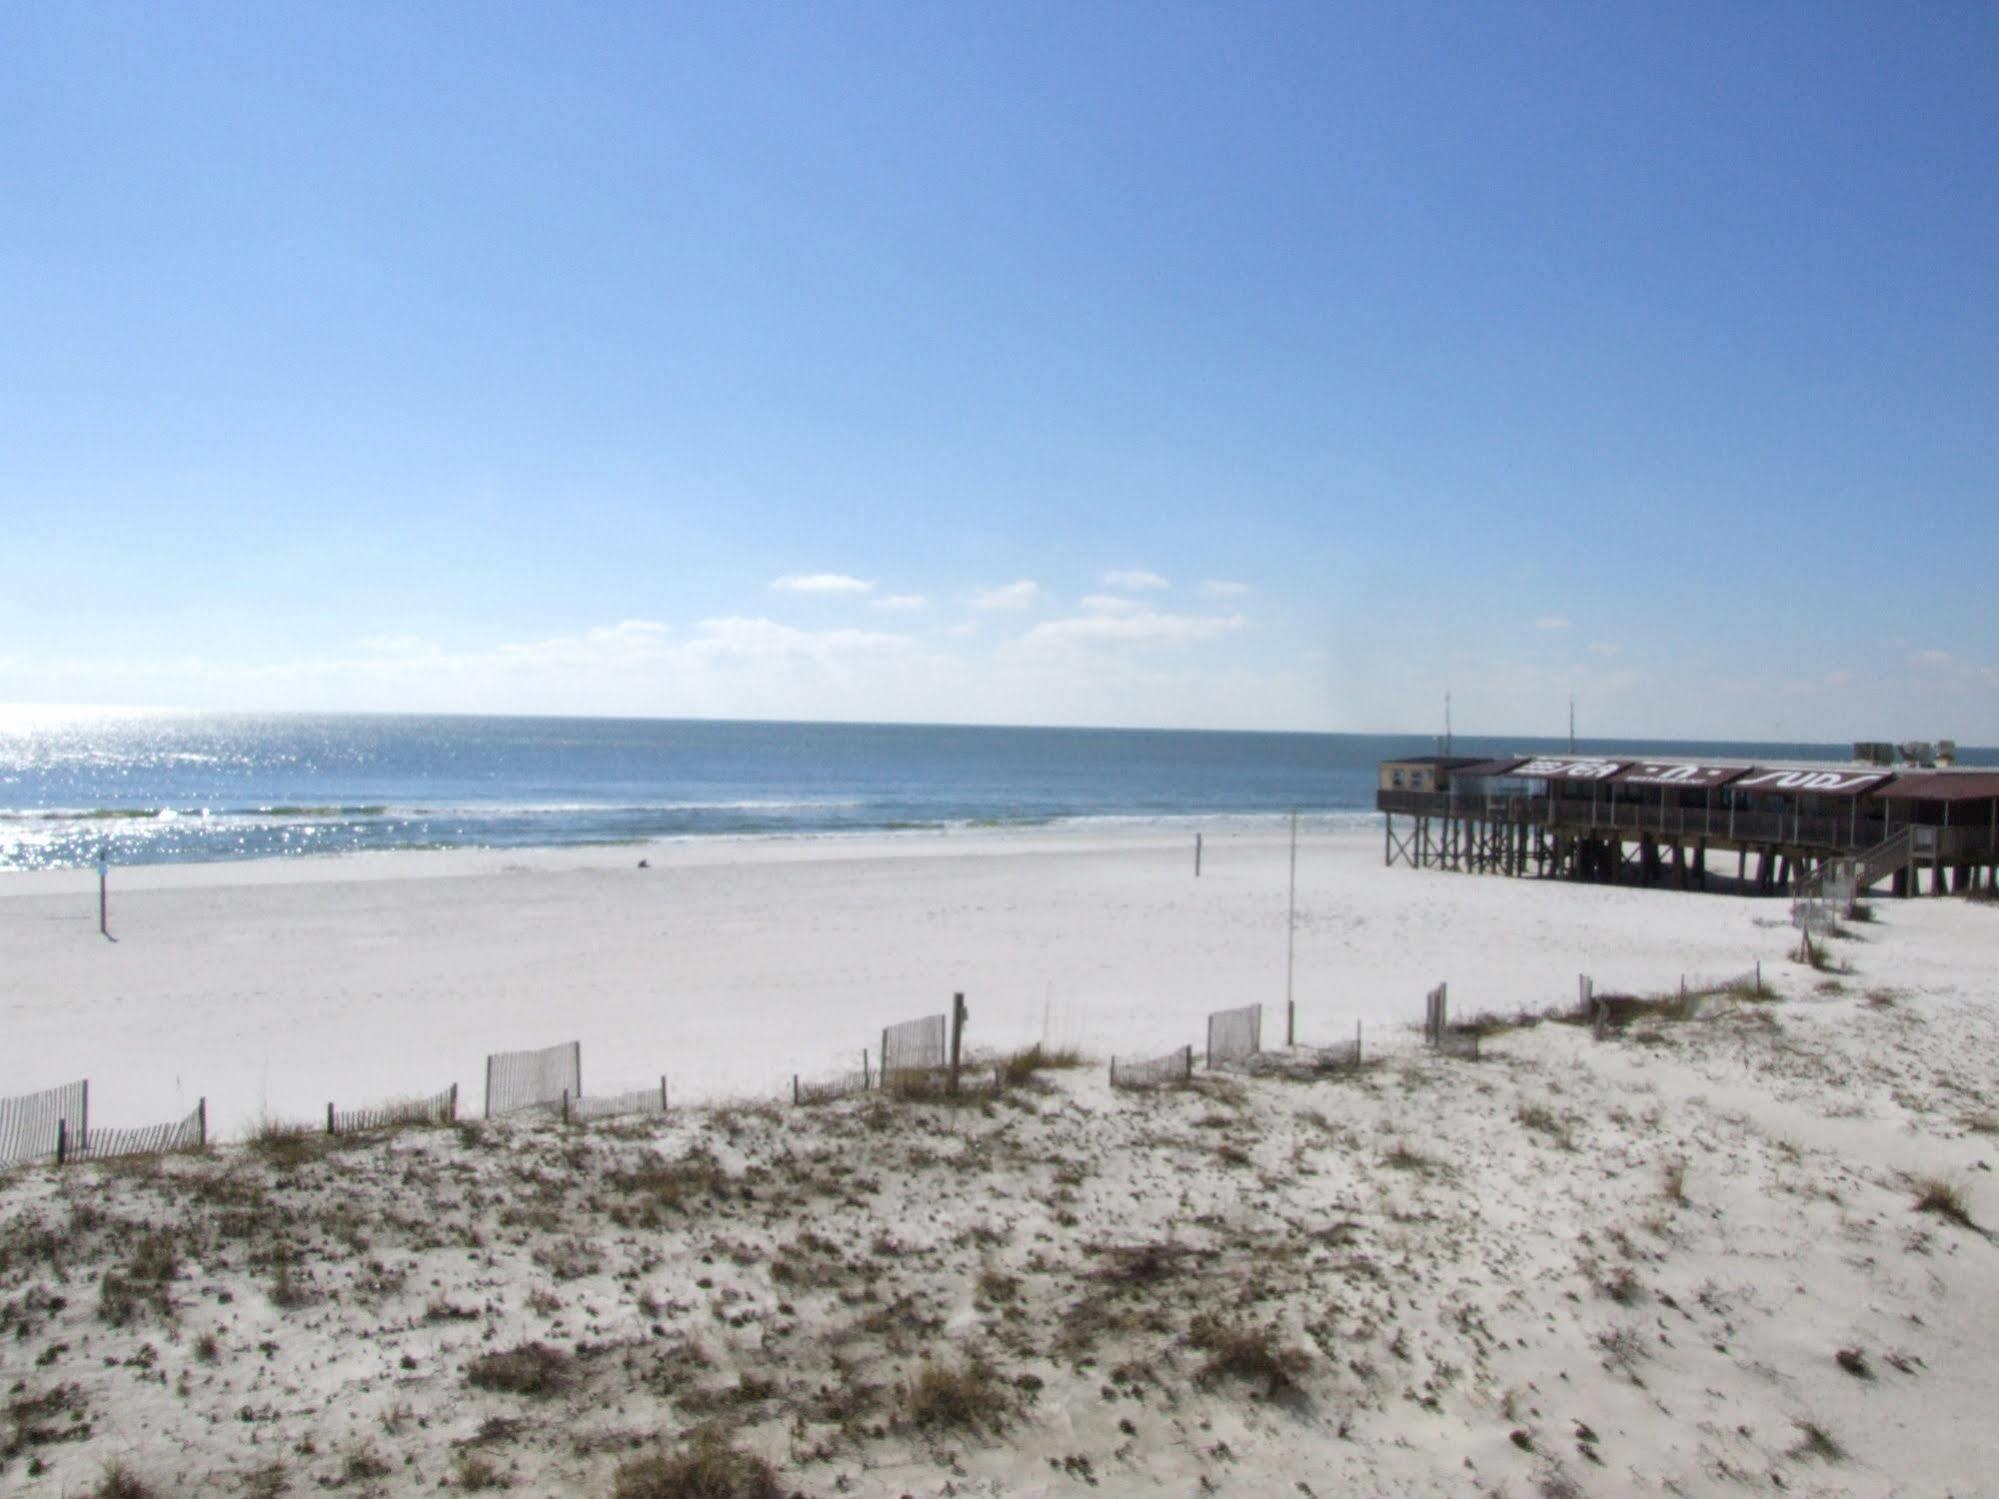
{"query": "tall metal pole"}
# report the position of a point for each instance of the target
(1291, 912)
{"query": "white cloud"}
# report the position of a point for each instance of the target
(1110, 603)
(1605, 648)
(1145, 627)
(1133, 577)
(1019, 595)
(739, 639)
(1552, 622)
(902, 601)
(626, 641)
(1931, 657)
(1223, 588)
(396, 645)
(821, 583)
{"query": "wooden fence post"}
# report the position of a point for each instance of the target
(489, 1087)
(794, 1089)
(1290, 1023)
(958, 1015)
(329, 1118)
(866, 1078)
(451, 1115)
(565, 1105)
(662, 1093)
(1356, 1043)
(62, 1140)
(884, 1071)
(1190, 1064)
(201, 1119)
(83, 1124)
(576, 1050)
(1197, 856)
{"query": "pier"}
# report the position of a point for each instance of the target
(1652, 821)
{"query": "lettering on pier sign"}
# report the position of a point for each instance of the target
(1687, 777)
(1820, 782)
(1568, 770)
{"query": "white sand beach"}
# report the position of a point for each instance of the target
(1686, 1259)
(274, 987)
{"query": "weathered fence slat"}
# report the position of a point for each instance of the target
(438, 1108)
(30, 1124)
(1174, 1067)
(190, 1133)
(608, 1106)
(921, 1045)
(844, 1085)
(1235, 1034)
(518, 1080)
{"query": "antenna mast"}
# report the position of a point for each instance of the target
(1447, 723)
(1572, 723)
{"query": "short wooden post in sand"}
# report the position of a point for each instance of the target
(959, 1015)
(1197, 856)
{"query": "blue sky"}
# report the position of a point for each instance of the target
(524, 358)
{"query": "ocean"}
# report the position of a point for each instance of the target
(175, 787)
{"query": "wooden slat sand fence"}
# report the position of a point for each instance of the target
(439, 1108)
(1699, 986)
(612, 1105)
(825, 1090)
(35, 1126)
(1160, 1072)
(1437, 1032)
(922, 1045)
(1436, 1005)
(1234, 1035)
(517, 1080)
(190, 1133)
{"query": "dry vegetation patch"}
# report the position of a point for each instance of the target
(526, 1369)
(967, 1395)
(707, 1467)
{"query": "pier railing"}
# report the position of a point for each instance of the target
(1854, 831)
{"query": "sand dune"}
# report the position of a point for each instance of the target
(1687, 1258)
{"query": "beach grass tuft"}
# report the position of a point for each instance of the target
(1945, 1198)
(120, 1482)
(525, 1369)
(1019, 1067)
(1815, 1441)
(1253, 1354)
(707, 1467)
(965, 1396)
